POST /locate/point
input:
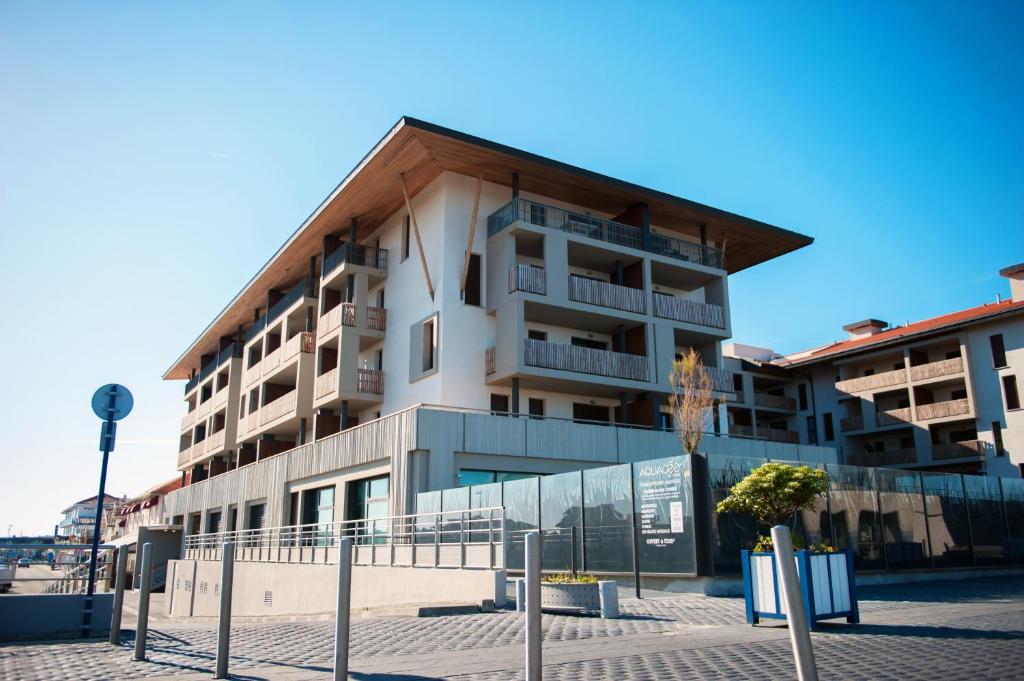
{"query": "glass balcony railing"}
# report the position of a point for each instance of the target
(355, 254)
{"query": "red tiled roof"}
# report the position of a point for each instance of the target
(933, 324)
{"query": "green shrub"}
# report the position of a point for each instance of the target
(566, 578)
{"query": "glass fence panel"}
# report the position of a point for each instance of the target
(521, 515)
(988, 529)
(663, 490)
(561, 509)
(947, 519)
(607, 519)
(855, 522)
(485, 496)
(428, 504)
(1013, 506)
(904, 532)
(731, 532)
(455, 499)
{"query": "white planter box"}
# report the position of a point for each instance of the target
(602, 597)
(826, 583)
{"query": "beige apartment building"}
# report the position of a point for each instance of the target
(939, 394)
(447, 283)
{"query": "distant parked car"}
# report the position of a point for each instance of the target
(7, 571)
(24, 562)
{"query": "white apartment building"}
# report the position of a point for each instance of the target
(939, 394)
(446, 284)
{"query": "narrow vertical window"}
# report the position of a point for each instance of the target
(997, 438)
(802, 394)
(473, 287)
(812, 430)
(428, 345)
(998, 350)
(1010, 392)
(830, 433)
(536, 407)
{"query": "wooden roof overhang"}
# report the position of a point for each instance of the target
(372, 192)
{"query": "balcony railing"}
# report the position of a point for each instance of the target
(279, 407)
(489, 356)
(779, 435)
(355, 254)
(184, 456)
(689, 311)
(256, 328)
(528, 279)
(892, 417)
(938, 410)
(376, 318)
(331, 320)
(299, 343)
(215, 442)
(605, 294)
(370, 381)
(872, 382)
(232, 350)
(848, 423)
(741, 431)
(774, 402)
(272, 360)
(737, 397)
(946, 367)
(721, 379)
(204, 408)
(188, 420)
(296, 293)
(253, 421)
(959, 450)
(191, 384)
(253, 373)
(896, 457)
(220, 397)
(593, 227)
(326, 383)
(565, 357)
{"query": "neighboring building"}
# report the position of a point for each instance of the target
(79, 521)
(145, 510)
(451, 271)
(940, 394)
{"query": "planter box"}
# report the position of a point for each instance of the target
(826, 581)
(601, 597)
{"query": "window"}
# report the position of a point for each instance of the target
(213, 522)
(666, 421)
(472, 293)
(589, 343)
(997, 438)
(998, 350)
(499, 404)
(1010, 392)
(368, 500)
(952, 354)
(802, 395)
(959, 394)
(423, 348)
(536, 407)
(405, 239)
(590, 412)
(737, 382)
(468, 476)
(830, 433)
(533, 334)
(257, 517)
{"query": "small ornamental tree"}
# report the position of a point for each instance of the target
(773, 492)
(691, 398)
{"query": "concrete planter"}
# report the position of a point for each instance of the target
(826, 581)
(602, 597)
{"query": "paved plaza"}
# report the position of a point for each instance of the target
(937, 630)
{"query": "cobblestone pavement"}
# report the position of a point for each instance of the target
(938, 630)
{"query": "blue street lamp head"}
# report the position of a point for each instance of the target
(112, 402)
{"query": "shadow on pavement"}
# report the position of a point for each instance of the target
(918, 631)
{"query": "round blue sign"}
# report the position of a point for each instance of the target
(112, 401)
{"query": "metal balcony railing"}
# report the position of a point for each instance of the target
(566, 357)
(370, 381)
(256, 328)
(606, 294)
(690, 311)
(489, 361)
(355, 254)
(289, 299)
(774, 402)
(575, 222)
(959, 450)
(528, 279)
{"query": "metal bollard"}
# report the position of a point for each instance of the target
(142, 627)
(789, 582)
(115, 615)
(533, 619)
(520, 595)
(342, 615)
(227, 577)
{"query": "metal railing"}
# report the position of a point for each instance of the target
(959, 450)
(774, 401)
(576, 222)
(355, 254)
(489, 360)
(689, 311)
(606, 294)
(296, 293)
(256, 328)
(370, 381)
(581, 360)
(528, 279)
(472, 538)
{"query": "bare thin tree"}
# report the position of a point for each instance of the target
(692, 398)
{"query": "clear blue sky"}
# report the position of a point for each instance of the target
(152, 156)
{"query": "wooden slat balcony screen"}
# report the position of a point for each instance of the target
(326, 383)
(892, 417)
(370, 381)
(279, 407)
(959, 450)
(303, 341)
(848, 423)
(605, 294)
(376, 318)
(946, 367)
(528, 279)
(774, 401)
(938, 410)
(690, 311)
(566, 357)
(880, 380)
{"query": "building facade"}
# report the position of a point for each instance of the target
(78, 521)
(528, 309)
(940, 394)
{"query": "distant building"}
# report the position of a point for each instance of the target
(79, 520)
(939, 394)
(145, 510)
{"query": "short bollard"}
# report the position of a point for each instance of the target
(227, 576)
(609, 595)
(115, 614)
(521, 595)
(789, 581)
(533, 619)
(142, 627)
(341, 620)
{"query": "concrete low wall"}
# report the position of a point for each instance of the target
(286, 589)
(45, 616)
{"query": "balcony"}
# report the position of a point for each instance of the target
(252, 374)
(565, 357)
(600, 229)
(946, 367)
(345, 315)
(220, 398)
(848, 423)
(741, 431)
(884, 379)
(215, 443)
(184, 457)
(376, 318)
(528, 279)
(895, 457)
(188, 420)
(738, 397)
(893, 417)
(282, 406)
(605, 294)
(938, 410)
(959, 450)
(326, 384)
(204, 408)
(302, 342)
(774, 402)
(355, 254)
(778, 435)
(272, 360)
(689, 311)
(370, 381)
(721, 379)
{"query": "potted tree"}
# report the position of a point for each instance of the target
(773, 493)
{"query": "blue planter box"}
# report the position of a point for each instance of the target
(826, 580)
